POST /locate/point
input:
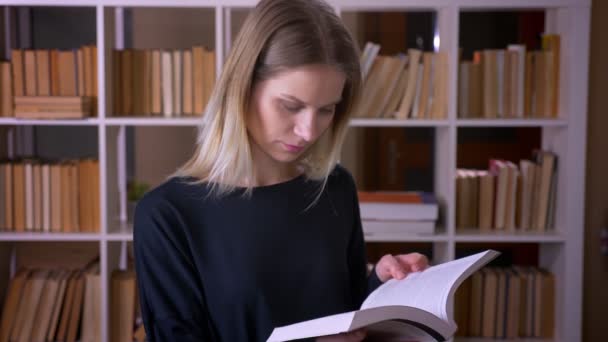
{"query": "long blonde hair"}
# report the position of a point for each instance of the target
(276, 36)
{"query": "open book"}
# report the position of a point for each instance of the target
(416, 308)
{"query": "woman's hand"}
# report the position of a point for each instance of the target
(399, 266)
(353, 336)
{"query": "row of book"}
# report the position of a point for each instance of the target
(511, 82)
(508, 197)
(403, 86)
(506, 303)
(53, 305)
(44, 196)
(396, 212)
(33, 77)
(55, 72)
(162, 82)
(63, 305)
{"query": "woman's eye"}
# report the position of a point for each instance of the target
(327, 111)
(291, 107)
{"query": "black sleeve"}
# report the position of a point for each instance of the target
(362, 285)
(170, 291)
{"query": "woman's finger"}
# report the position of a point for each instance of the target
(415, 261)
(389, 267)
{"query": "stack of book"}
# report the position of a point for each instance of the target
(167, 83)
(42, 196)
(506, 303)
(53, 107)
(403, 86)
(508, 197)
(511, 83)
(388, 213)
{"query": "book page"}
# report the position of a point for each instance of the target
(329, 325)
(430, 289)
(394, 331)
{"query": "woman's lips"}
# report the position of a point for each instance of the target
(292, 148)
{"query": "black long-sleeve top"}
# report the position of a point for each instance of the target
(233, 268)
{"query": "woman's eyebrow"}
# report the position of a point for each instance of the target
(295, 99)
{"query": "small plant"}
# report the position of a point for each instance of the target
(136, 190)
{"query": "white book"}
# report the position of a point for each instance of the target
(29, 197)
(521, 69)
(399, 211)
(37, 177)
(373, 53)
(364, 55)
(177, 82)
(167, 83)
(500, 170)
(409, 92)
(500, 72)
(414, 112)
(388, 228)
(463, 90)
(46, 198)
(432, 94)
(417, 307)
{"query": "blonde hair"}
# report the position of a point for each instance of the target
(276, 36)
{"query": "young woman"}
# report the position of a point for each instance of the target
(261, 228)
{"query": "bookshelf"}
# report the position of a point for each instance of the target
(561, 251)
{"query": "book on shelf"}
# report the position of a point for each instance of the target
(506, 302)
(511, 82)
(414, 308)
(398, 205)
(124, 307)
(44, 196)
(508, 197)
(52, 300)
(377, 228)
(6, 89)
(162, 82)
(412, 85)
(69, 75)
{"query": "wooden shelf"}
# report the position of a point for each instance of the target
(153, 121)
(512, 123)
(486, 339)
(363, 122)
(27, 122)
(404, 237)
(39, 236)
(471, 235)
(62, 3)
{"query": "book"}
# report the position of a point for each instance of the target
(416, 308)
(387, 205)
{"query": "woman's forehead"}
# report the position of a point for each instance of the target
(316, 84)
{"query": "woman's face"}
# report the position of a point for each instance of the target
(290, 111)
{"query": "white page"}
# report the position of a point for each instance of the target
(393, 331)
(428, 290)
(329, 325)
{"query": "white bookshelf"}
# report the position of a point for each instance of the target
(560, 251)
